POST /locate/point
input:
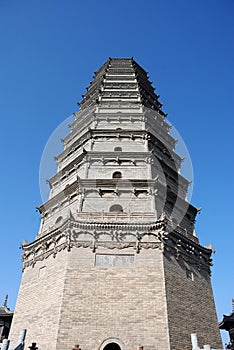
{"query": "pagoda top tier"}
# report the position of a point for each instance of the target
(121, 80)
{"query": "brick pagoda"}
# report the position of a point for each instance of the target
(116, 263)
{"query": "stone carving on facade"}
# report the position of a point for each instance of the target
(67, 237)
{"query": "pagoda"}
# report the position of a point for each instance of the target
(116, 264)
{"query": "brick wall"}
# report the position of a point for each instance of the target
(190, 305)
(126, 303)
(71, 299)
(39, 302)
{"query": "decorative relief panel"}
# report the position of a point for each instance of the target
(115, 260)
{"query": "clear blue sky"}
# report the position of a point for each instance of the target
(49, 51)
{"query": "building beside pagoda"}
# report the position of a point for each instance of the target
(6, 316)
(116, 263)
(227, 324)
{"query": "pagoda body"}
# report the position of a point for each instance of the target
(116, 263)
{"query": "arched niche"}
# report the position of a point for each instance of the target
(116, 208)
(117, 175)
(118, 149)
(59, 220)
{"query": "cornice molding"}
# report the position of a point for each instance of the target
(71, 235)
(104, 157)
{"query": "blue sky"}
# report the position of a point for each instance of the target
(49, 51)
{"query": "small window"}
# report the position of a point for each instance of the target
(117, 175)
(116, 208)
(59, 220)
(118, 149)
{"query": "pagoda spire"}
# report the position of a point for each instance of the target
(121, 80)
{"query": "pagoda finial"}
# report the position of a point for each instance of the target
(5, 300)
(232, 304)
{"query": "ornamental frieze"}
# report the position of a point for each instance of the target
(110, 236)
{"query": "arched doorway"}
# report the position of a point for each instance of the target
(112, 346)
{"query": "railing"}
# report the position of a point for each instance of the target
(113, 217)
